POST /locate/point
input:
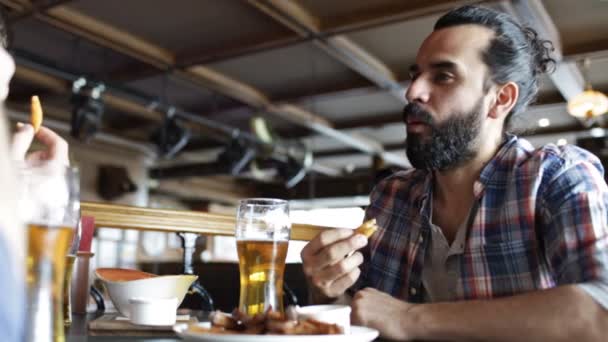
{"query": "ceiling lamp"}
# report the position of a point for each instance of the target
(590, 103)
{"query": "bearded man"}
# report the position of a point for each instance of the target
(486, 238)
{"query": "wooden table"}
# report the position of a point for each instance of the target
(79, 332)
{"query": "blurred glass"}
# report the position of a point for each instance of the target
(50, 206)
(69, 270)
(262, 237)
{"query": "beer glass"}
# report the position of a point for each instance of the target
(49, 205)
(262, 236)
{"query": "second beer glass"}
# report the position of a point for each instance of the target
(262, 236)
(49, 204)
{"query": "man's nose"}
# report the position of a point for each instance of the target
(418, 91)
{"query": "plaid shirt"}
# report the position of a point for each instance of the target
(541, 221)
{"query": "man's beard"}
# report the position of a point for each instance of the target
(450, 144)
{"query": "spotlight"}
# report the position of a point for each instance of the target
(236, 156)
(171, 137)
(299, 160)
(87, 109)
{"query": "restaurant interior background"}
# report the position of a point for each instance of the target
(195, 104)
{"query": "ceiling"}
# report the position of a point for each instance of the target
(326, 74)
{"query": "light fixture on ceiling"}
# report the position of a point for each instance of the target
(590, 103)
(172, 136)
(88, 108)
(544, 122)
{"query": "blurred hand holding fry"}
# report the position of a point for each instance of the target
(367, 228)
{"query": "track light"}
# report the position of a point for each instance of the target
(171, 137)
(87, 110)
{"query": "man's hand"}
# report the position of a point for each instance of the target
(56, 147)
(328, 265)
(378, 310)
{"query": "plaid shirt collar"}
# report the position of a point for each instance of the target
(486, 177)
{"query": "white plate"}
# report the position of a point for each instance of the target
(357, 334)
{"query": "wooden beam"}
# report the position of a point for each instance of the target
(114, 38)
(58, 119)
(567, 77)
(107, 35)
(38, 78)
(172, 221)
(591, 50)
(132, 72)
(62, 86)
(392, 13)
(298, 19)
(132, 107)
(16, 6)
(289, 14)
(64, 116)
(244, 46)
(29, 8)
(225, 85)
(328, 28)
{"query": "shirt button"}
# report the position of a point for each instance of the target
(413, 291)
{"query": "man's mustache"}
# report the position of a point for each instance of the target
(413, 111)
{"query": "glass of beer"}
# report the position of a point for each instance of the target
(262, 236)
(49, 205)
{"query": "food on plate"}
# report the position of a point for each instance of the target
(36, 113)
(367, 228)
(269, 322)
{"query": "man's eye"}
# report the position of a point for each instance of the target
(443, 77)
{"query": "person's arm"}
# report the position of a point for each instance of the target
(565, 313)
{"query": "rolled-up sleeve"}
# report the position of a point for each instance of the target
(575, 229)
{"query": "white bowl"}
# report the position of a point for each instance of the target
(155, 287)
(331, 313)
(151, 311)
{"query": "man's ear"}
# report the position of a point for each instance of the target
(506, 97)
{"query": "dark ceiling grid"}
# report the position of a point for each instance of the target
(342, 25)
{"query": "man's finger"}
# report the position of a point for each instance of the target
(341, 268)
(324, 239)
(57, 147)
(22, 139)
(337, 251)
(339, 286)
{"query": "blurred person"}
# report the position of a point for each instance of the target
(12, 233)
(485, 238)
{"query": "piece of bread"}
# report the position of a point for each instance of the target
(36, 113)
(367, 228)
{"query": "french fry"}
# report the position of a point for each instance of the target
(36, 113)
(367, 228)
